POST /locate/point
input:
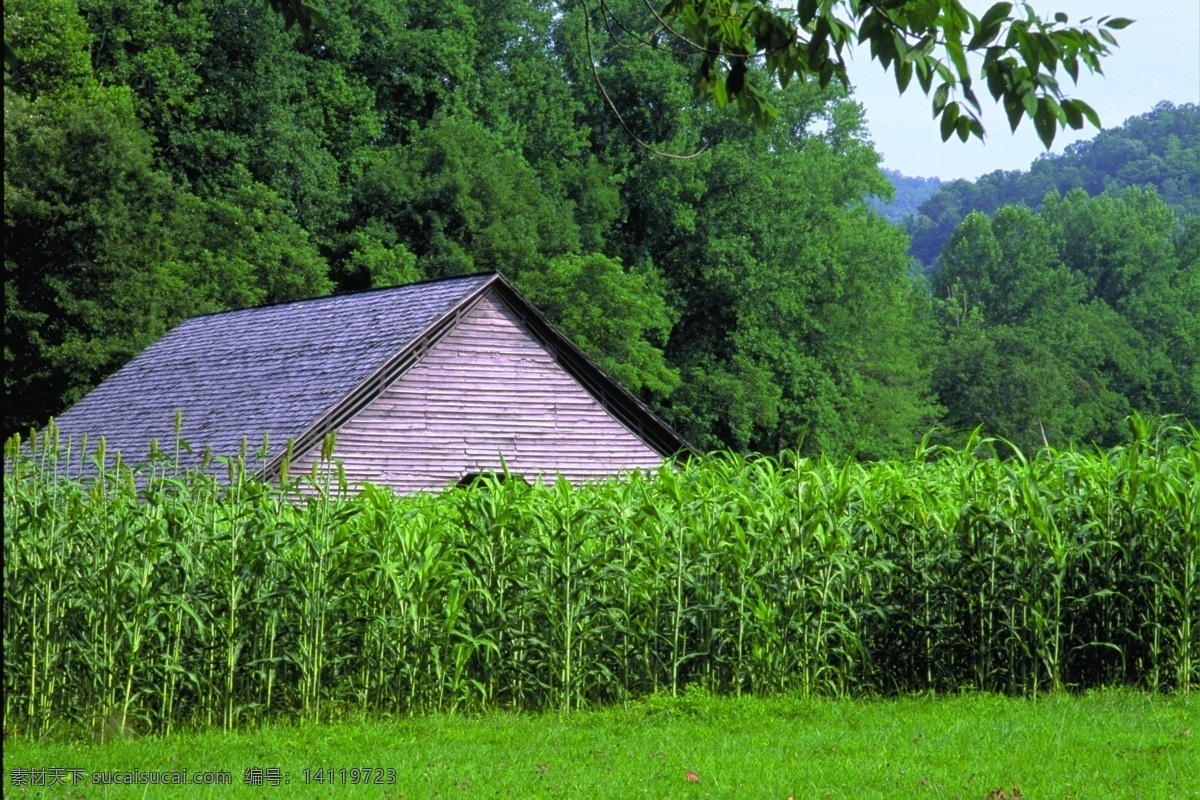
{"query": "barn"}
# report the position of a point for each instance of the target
(426, 385)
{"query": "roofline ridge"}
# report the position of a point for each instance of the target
(349, 293)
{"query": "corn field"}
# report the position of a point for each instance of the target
(150, 599)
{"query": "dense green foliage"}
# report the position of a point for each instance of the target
(171, 599)
(104, 248)
(1159, 149)
(168, 160)
(1056, 324)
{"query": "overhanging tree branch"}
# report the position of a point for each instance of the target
(587, 27)
(1021, 52)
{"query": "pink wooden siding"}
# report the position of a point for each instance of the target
(486, 389)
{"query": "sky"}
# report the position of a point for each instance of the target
(1158, 58)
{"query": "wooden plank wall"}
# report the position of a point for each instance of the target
(487, 388)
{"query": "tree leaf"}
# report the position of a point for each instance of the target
(963, 128)
(939, 98)
(924, 74)
(949, 119)
(1071, 65)
(737, 78)
(719, 94)
(1088, 112)
(1029, 100)
(1073, 113)
(954, 47)
(1014, 110)
(904, 73)
(1045, 123)
(995, 15)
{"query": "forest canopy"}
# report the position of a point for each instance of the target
(1159, 149)
(164, 160)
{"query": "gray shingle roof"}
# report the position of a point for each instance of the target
(273, 370)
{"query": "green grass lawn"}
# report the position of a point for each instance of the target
(1099, 745)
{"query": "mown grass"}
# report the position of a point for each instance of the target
(1105, 744)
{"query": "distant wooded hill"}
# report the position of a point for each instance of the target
(1157, 150)
(910, 194)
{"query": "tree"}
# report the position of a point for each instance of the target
(170, 159)
(463, 201)
(1057, 324)
(85, 281)
(1009, 267)
(1131, 252)
(619, 316)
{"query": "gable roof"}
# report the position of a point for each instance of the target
(301, 369)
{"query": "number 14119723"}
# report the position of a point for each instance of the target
(353, 776)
